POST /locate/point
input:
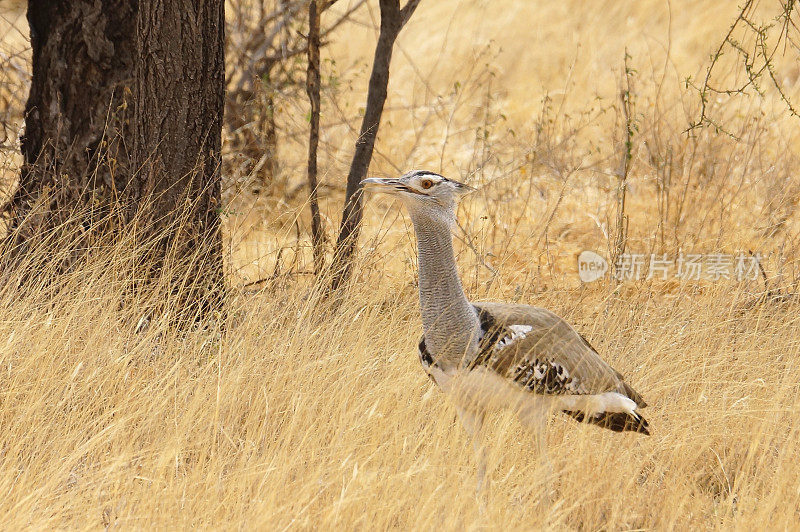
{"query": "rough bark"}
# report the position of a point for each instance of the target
(123, 128)
(179, 95)
(77, 113)
(392, 20)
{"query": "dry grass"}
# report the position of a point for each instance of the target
(294, 417)
(287, 420)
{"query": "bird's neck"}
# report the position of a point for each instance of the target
(450, 322)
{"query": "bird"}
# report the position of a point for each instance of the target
(489, 356)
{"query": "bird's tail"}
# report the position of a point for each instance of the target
(616, 421)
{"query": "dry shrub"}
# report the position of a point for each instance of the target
(14, 83)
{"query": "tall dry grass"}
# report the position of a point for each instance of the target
(289, 418)
(289, 414)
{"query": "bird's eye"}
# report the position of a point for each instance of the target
(426, 184)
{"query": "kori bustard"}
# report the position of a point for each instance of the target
(500, 355)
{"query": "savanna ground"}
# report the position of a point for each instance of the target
(296, 417)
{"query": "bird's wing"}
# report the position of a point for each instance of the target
(543, 353)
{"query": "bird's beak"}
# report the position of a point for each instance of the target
(465, 189)
(380, 185)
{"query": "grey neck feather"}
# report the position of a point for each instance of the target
(450, 322)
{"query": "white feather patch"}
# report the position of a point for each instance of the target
(518, 332)
(598, 403)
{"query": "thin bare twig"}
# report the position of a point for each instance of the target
(312, 89)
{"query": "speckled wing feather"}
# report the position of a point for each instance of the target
(543, 353)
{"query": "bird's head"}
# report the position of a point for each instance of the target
(424, 193)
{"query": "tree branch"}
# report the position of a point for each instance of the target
(392, 20)
(408, 10)
(312, 89)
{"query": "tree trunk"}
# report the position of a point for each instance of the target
(392, 20)
(179, 99)
(76, 115)
(122, 128)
